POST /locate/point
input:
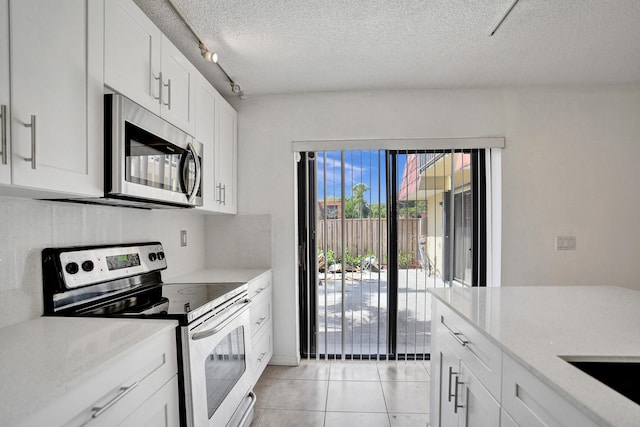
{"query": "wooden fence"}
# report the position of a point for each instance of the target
(367, 235)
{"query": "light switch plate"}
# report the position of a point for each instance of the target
(565, 243)
(183, 238)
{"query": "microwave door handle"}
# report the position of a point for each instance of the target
(196, 161)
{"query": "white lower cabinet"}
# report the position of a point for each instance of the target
(139, 389)
(462, 399)
(474, 383)
(530, 402)
(445, 365)
(506, 420)
(261, 323)
(160, 410)
(476, 406)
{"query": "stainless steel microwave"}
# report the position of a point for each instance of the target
(148, 161)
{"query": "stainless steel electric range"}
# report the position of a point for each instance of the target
(213, 337)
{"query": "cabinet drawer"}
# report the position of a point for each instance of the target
(262, 348)
(259, 285)
(260, 312)
(533, 403)
(123, 386)
(475, 350)
(161, 410)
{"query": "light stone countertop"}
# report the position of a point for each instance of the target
(41, 359)
(536, 325)
(219, 275)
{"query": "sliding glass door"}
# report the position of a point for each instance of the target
(378, 228)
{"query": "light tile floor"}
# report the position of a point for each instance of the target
(337, 394)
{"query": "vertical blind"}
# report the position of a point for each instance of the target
(385, 226)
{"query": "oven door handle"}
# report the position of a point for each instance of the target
(246, 304)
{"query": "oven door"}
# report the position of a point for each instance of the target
(217, 378)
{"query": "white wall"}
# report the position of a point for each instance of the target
(238, 241)
(570, 166)
(28, 226)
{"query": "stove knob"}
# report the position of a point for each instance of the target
(152, 257)
(160, 256)
(71, 268)
(87, 265)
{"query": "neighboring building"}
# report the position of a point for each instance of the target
(330, 209)
(427, 177)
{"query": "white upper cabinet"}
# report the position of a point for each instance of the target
(216, 123)
(226, 157)
(56, 95)
(206, 97)
(132, 54)
(143, 65)
(178, 87)
(5, 155)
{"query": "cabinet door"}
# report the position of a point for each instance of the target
(262, 346)
(476, 406)
(132, 54)
(56, 101)
(447, 365)
(206, 97)
(506, 420)
(161, 410)
(178, 87)
(226, 158)
(5, 155)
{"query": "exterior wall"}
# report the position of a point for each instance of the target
(570, 166)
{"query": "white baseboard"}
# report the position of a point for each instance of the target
(285, 360)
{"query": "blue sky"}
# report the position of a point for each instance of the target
(366, 167)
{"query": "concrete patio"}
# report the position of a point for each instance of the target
(365, 313)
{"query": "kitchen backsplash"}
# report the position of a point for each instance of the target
(242, 241)
(28, 226)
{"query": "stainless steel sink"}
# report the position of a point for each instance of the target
(619, 374)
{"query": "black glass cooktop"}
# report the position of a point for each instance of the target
(196, 299)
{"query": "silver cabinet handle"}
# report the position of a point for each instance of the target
(455, 397)
(168, 86)
(259, 290)
(159, 79)
(99, 410)
(451, 374)
(3, 113)
(460, 338)
(260, 320)
(32, 125)
(224, 194)
(262, 355)
(219, 193)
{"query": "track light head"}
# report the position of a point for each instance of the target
(207, 54)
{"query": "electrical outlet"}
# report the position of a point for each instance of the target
(183, 238)
(565, 243)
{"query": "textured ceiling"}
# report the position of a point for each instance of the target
(271, 46)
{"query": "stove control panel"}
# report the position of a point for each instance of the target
(86, 266)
